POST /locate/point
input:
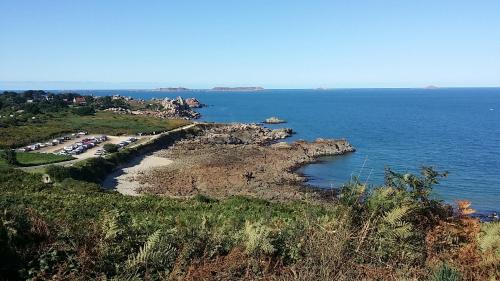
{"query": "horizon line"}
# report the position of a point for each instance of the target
(157, 86)
(260, 90)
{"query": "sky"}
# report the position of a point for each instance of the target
(60, 44)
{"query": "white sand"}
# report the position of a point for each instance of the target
(123, 180)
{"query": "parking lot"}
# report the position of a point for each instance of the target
(82, 146)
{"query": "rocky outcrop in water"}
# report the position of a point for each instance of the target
(274, 120)
(179, 108)
(193, 103)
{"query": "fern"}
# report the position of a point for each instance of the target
(257, 238)
(395, 216)
(445, 273)
(489, 238)
(146, 252)
(110, 226)
(156, 253)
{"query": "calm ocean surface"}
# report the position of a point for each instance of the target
(455, 130)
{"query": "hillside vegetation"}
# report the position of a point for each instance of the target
(74, 231)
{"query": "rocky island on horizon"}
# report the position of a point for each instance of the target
(172, 89)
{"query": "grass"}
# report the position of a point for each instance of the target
(101, 123)
(34, 158)
(26, 159)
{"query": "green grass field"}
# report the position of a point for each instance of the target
(101, 123)
(32, 159)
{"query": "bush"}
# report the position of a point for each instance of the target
(445, 273)
(111, 148)
(58, 173)
(75, 231)
(9, 155)
(83, 110)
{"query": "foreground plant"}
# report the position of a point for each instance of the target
(74, 231)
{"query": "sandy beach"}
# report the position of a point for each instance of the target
(124, 180)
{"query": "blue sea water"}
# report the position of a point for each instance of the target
(453, 129)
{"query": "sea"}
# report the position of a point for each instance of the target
(451, 129)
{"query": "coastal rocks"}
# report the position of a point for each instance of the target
(238, 159)
(274, 120)
(193, 103)
(119, 110)
(325, 147)
(240, 134)
(278, 134)
(180, 108)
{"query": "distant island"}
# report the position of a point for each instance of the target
(431, 87)
(172, 89)
(237, 89)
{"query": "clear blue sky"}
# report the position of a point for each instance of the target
(275, 44)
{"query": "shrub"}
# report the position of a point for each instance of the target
(111, 148)
(83, 110)
(58, 173)
(445, 273)
(75, 231)
(10, 157)
(257, 239)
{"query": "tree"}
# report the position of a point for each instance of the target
(32, 108)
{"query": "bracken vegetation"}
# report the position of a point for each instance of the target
(72, 230)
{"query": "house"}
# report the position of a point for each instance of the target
(79, 101)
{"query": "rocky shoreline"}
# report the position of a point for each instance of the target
(223, 160)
